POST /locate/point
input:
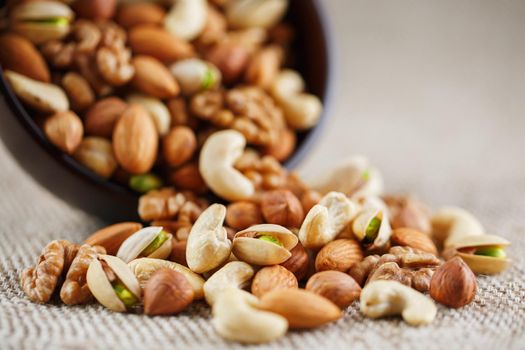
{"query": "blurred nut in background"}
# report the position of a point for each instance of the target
(243, 214)
(281, 207)
(96, 153)
(20, 55)
(101, 118)
(64, 130)
(179, 145)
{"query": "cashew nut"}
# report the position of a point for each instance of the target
(326, 220)
(208, 245)
(301, 110)
(194, 75)
(156, 109)
(235, 274)
(450, 224)
(353, 176)
(217, 157)
(187, 18)
(387, 298)
(236, 317)
(255, 13)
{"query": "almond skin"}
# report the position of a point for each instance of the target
(453, 284)
(153, 78)
(111, 237)
(101, 118)
(272, 278)
(339, 255)
(335, 286)
(179, 145)
(302, 309)
(135, 140)
(408, 237)
(20, 55)
(95, 9)
(64, 130)
(156, 42)
(167, 292)
(140, 14)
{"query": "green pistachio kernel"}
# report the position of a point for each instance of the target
(60, 21)
(365, 175)
(145, 183)
(496, 252)
(157, 242)
(372, 230)
(209, 79)
(270, 239)
(124, 294)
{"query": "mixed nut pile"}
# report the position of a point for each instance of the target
(281, 253)
(133, 90)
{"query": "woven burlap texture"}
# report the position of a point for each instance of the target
(31, 217)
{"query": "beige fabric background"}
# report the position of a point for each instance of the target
(432, 92)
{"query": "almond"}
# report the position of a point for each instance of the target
(167, 292)
(78, 90)
(453, 284)
(153, 78)
(302, 309)
(132, 15)
(64, 130)
(95, 9)
(188, 178)
(20, 55)
(111, 237)
(156, 42)
(272, 278)
(135, 140)
(298, 263)
(336, 286)
(408, 237)
(243, 214)
(96, 153)
(179, 145)
(101, 118)
(339, 255)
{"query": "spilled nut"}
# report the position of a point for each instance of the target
(265, 244)
(326, 220)
(41, 21)
(144, 268)
(450, 224)
(484, 254)
(353, 176)
(208, 244)
(236, 317)
(217, 157)
(388, 298)
(301, 110)
(235, 274)
(195, 75)
(157, 110)
(151, 242)
(113, 284)
(372, 228)
(187, 18)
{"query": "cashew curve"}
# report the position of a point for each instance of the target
(187, 18)
(235, 274)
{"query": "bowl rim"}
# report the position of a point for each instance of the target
(21, 113)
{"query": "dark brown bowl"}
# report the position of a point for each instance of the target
(79, 186)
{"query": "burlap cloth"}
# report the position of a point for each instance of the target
(443, 118)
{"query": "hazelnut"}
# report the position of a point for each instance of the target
(179, 145)
(243, 214)
(231, 60)
(282, 149)
(178, 252)
(309, 199)
(453, 284)
(335, 286)
(281, 207)
(298, 263)
(167, 292)
(188, 178)
(408, 212)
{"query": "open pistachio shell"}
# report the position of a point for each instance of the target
(41, 21)
(482, 264)
(363, 221)
(144, 268)
(132, 247)
(249, 248)
(100, 286)
(451, 224)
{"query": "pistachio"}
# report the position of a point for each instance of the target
(372, 228)
(150, 242)
(484, 254)
(264, 244)
(41, 21)
(145, 183)
(195, 75)
(255, 13)
(450, 224)
(112, 283)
